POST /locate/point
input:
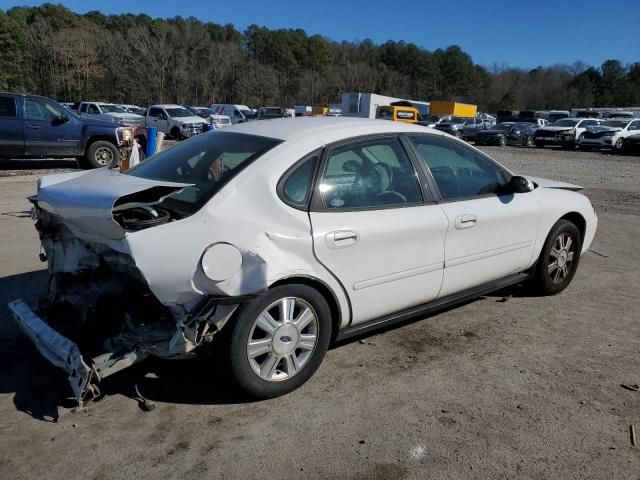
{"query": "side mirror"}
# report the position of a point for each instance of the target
(518, 184)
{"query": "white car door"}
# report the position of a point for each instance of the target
(373, 229)
(489, 236)
(158, 118)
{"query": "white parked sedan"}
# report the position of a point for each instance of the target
(271, 240)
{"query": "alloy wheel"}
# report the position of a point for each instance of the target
(561, 258)
(282, 339)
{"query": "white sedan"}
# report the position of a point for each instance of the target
(271, 240)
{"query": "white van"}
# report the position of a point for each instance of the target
(238, 113)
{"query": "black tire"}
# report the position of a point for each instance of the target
(175, 133)
(543, 279)
(241, 327)
(568, 145)
(502, 141)
(539, 144)
(585, 149)
(101, 154)
(619, 145)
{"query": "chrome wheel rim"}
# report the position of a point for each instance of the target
(282, 339)
(104, 156)
(561, 258)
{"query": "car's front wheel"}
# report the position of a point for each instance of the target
(558, 259)
(278, 341)
(101, 154)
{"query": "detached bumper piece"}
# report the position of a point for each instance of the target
(65, 354)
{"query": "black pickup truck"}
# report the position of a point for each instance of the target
(38, 127)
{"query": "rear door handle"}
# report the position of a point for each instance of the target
(34, 127)
(341, 238)
(465, 221)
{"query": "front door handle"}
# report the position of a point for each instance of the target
(341, 238)
(34, 127)
(465, 221)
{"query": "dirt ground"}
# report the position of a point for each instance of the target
(508, 386)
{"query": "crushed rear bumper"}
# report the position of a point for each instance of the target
(59, 350)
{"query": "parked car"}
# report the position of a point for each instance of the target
(564, 132)
(434, 120)
(110, 112)
(175, 120)
(274, 239)
(268, 113)
(609, 134)
(213, 119)
(473, 125)
(38, 127)
(555, 115)
(632, 144)
(496, 135)
(523, 133)
(134, 109)
(237, 113)
(452, 126)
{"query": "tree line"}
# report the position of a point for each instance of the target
(51, 51)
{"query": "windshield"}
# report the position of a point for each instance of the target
(455, 120)
(503, 126)
(434, 118)
(112, 109)
(178, 112)
(207, 161)
(615, 123)
(205, 111)
(521, 126)
(565, 122)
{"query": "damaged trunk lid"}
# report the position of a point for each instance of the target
(96, 202)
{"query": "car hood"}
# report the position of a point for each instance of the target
(191, 119)
(556, 129)
(130, 116)
(603, 128)
(87, 200)
(546, 183)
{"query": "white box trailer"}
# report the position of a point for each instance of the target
(365, 104)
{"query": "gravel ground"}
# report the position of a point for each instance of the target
(502, 387)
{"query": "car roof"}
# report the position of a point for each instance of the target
(293, 127)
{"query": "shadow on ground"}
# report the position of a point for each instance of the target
(41, 389)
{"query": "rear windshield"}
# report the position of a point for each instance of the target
(565, 122)
(208, 161)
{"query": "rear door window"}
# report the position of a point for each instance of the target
(8, 107)
(371, 173)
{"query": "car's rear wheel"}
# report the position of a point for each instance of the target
(278, 341)
(539, 144)
(101, 154)
(558, 259)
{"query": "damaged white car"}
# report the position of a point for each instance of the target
(274, 239)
